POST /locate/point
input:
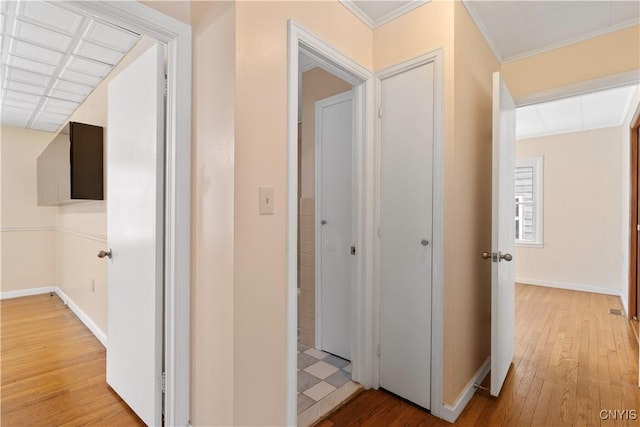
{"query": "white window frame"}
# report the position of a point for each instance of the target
(519, 217)
(537, 164)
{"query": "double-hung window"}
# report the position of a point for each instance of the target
(528, 200)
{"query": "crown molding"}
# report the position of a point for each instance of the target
(475, 16)
(373, 24)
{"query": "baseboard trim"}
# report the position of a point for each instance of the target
(568, 286)
(451, 413)
(95, 330)
(625, 303)
(90, 324)
(27, 292)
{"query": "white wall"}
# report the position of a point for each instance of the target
(583, 204)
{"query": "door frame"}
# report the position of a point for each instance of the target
(634, 220)
(438, 408)
(176, 35)
(333, 61)
(318, 207)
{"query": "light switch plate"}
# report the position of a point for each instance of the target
(266, 200)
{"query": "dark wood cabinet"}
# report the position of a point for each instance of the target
(71, 168)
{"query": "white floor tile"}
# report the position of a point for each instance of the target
(318, 354)
(319, 390)
(321, 369)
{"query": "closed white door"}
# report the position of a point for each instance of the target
(134, 232)
(502, 234)
(406, 180)
(334, 217)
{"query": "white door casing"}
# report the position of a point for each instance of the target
(334, 218)
(502, 234)
(406, 230)
(135, 164)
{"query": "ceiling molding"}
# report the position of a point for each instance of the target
(483, 29)
(396, 13)
(594, 34)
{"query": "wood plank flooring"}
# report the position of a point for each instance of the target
(53, 369)
(572, 360)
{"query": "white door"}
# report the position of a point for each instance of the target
(135, 135)
(334, 217)
(406, 219)
(502, 234)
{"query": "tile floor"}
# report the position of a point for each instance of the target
(319, 374)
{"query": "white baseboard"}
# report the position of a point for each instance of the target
(27, 292)
(451, 413)
(625, 303)
(569, 286)
(95, 330)
(101, 336)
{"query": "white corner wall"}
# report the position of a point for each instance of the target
(583, 212)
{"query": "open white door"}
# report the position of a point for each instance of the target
(334, 178)
(135, 159)
(503, 234)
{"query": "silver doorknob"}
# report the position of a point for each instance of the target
(424, 242)
(323, 222)
(485, 255)
(103, 254)
(506, 257)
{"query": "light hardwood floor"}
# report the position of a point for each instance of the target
(572, 360)
(53, 369)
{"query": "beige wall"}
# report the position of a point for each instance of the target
(582, 210)
(603, 56)
(212, 296)
(27, 238)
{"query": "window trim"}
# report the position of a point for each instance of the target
(537, 164)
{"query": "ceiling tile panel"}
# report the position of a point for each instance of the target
(19, 96)
(34, 52)
(28, 64)
(54, 105)
(87, 66)
(50, 16)
(605, 108)
(18, 104)
(47, 127)
(26, 88)
(72, 87)
(3, 20)
(486, 8)
(561, 115)
(98, 53)
(560, 23)
(51, 117)
(77, 77)
(22, 76)
(60, 94)
(113, 37)
(40, 35)
(528, 122)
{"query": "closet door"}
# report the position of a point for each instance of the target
(406, 178)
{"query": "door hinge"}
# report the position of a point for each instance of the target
(164, 382)
(353, 250)
(164, 90)
(379, 350)
(380, 112)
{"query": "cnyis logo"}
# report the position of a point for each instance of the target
(619, 414)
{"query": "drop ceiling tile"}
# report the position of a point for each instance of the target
(27, 88)
(60, 106)
(23, 76)
(60, 94)
(47, 117)
(16, 111)
(113, 37)
(536, 8)
(34, 52)
(19, 96)
(72, 87)
(528, 122)
(19, 104)
(98, 53)
(561, 24)
(47, 127)
(88, 66)
(605, 108)
(28, 64)
(624, 11)
(78, 77)
(50, 16)
(42, 36)
(4, 6)
(3, 21)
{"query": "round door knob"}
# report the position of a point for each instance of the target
(103, 254)
(506, 257)
(424, 242)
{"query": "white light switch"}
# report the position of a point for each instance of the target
(266, 201)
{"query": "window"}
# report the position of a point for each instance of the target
(528, 220)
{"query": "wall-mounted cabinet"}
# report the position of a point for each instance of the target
(70, 169)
